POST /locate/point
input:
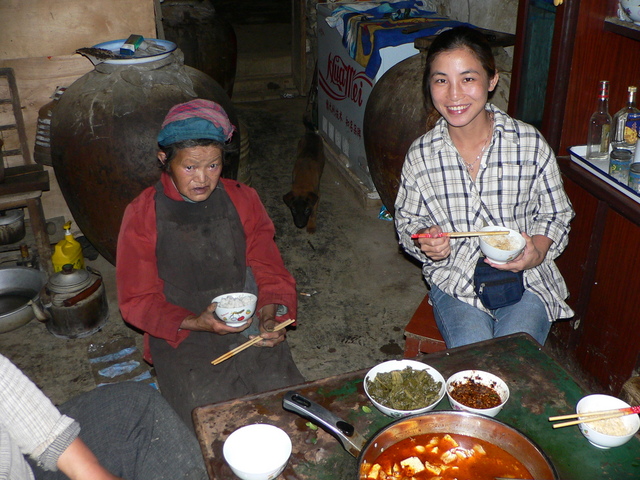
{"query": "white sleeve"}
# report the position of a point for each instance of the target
(34, 424)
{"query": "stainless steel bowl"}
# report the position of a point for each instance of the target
(18, 285)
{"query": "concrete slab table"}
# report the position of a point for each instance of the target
(539, 386)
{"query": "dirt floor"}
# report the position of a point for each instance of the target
(363, 289)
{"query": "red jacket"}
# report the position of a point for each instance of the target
(140, 290)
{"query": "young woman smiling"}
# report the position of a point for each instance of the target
(477, 167)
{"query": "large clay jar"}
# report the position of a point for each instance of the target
(207, 40)
(104, 137)
(396, 114)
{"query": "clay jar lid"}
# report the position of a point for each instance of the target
(69, 280)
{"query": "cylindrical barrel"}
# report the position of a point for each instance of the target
(104, 137)
(42, 147)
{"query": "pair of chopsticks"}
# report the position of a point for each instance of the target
(509, 478)
(253, 341)
(456, 234)
(593, 416)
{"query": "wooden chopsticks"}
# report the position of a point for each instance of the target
(457, 234)
(253, 341)
(593, 416)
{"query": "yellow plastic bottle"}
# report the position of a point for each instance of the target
(67, 250)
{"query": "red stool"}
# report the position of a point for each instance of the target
(421, 333)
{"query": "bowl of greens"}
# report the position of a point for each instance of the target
(404, 387)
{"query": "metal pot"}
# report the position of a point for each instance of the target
(456, 422)
(19, 286)
(73, 304)
(11, 226)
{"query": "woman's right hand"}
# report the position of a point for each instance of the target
(436, 248)
(208, 321)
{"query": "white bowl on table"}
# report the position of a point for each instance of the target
(483, 378)
(400, 365)
(235, 309)
(257, 452)
(594, 431)
(630, 10)
(501, 248)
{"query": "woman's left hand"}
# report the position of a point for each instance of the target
(534, 253)
(267, 324)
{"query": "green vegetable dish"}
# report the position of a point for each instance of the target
(406, 389)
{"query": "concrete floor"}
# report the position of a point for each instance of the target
(365, 288)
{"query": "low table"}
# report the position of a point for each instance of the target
(539, 388)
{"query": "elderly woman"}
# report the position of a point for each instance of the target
(188, 239)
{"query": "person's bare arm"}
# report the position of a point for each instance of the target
(78, 463)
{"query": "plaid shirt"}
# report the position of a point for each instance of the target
(518, 186)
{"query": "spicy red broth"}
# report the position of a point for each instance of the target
(445, 457)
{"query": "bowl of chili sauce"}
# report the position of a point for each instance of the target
(477, 391)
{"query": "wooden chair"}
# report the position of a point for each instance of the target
(21, 181)
(421, 333)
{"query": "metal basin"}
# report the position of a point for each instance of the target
(18, 285)
(485, 428)
(482, 427)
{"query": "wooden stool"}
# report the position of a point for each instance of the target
(23, 187)
(421, 333)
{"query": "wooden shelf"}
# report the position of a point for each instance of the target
(627, 29)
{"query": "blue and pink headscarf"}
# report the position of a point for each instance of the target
(194, 120)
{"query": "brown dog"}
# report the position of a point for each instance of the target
(305, 188)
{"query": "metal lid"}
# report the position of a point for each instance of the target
(635, 167)
(69, 280)
(621, 154)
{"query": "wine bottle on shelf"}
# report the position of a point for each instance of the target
(625, 123)
(600, 126)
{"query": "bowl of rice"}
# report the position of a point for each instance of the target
(611, 432)
(235, 309)
(501, 248)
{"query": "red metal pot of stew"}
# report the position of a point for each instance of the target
(446, 444)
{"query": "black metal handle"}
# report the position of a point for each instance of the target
(351, 440)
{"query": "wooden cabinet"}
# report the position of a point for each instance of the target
(587, 47)
(601, 266)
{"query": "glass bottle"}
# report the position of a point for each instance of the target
(625, 122)
(600, 126)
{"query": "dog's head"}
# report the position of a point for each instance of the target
(301, 207)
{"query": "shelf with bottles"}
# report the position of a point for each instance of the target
(600, 169)
(622, 27)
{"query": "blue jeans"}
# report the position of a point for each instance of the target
(134, 433)
(461, 324)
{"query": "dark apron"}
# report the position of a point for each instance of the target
(201, 254)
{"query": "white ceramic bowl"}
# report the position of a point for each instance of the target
(597, 402)
(392, 365)
(631, 9)
(236, 316)
(257, 452)
(499, 255)
(483, 378)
